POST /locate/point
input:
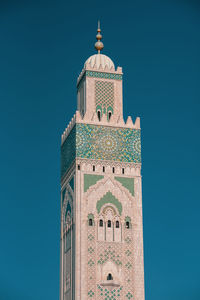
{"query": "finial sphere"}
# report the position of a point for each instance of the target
(99, 45)
(98, 36)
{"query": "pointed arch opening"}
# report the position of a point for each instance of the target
(99, 115)
(109, 277)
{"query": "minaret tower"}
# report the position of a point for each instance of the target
(101, 197)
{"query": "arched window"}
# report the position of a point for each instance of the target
(117, 224)
(127, 225)
(90, 222)
(99, 115)
(109, 277)
(109, 115)
(109, 223)
(101, 223)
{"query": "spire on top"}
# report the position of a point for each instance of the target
(99, 45)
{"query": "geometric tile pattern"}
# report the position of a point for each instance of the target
(109, 253)
(90, 293)
(68, 151)
(104, 96)
(104, 75)
(108, 143)
(128, 240)
(128, 262)
(128, 252)
(90, 237)
(100, 142)
(91, 256)
(101, 252)
(128, 265)
(107, 294)
(121, 254)
(129, 295)
(90, 262)
(90, 250)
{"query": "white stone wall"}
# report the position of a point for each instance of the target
(127, 244)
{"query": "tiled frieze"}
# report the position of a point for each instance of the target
(100, 143)
(108, 143)
(104, 75)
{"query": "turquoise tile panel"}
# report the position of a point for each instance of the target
(103, 75)
(100, 142)
(68, 151)
(108, 143)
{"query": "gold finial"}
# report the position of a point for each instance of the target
(99, 45)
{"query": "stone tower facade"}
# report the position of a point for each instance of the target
(101, 197)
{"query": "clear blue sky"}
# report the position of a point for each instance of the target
(43, 46)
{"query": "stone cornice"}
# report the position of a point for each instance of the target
(111, 163)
